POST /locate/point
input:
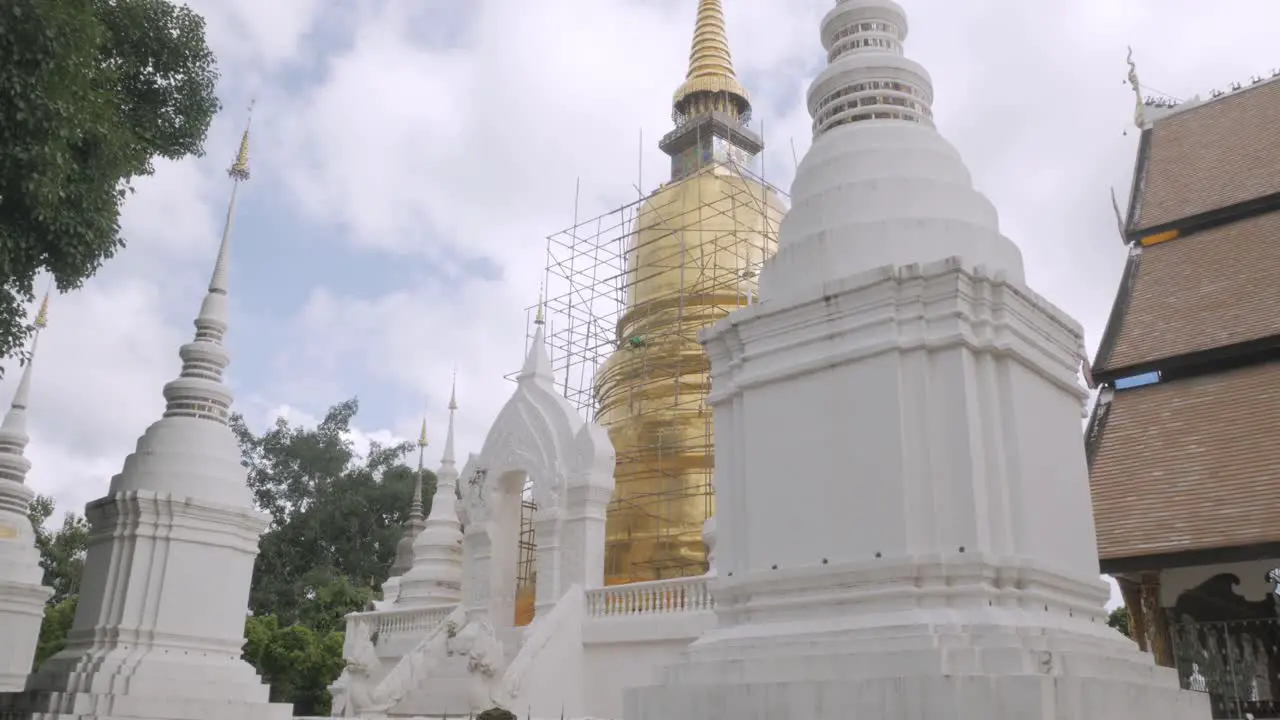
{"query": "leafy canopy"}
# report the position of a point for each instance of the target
(62, 551)
(297, 661)
(62, 554)
(91, 91)
(336, 517)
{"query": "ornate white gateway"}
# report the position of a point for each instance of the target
(424, 659)
(537, 435)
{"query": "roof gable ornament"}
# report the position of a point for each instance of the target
(1139, 116)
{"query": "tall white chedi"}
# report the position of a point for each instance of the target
(22, 596)
(903, 521)
(404, 548)
(436, 576)
(159, 627)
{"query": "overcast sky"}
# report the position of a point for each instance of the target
(410, 157)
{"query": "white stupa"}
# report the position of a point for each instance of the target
(436, 575)
(404, 548)
(159, 626)
(22, 596)
(903, 520)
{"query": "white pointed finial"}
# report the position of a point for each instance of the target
(447, 457)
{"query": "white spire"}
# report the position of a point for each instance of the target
(436, 575)
(13, 432)
(879, 186)
(537, 364)
(446, 460)
(191, 449)
(198, 391)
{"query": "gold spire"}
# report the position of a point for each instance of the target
(422, 436)
(42, 317)
(540, 318)
(710, 65)
(1139, 116)
(239, 170)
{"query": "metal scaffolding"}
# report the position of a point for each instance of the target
(526, 559)
(592, 285)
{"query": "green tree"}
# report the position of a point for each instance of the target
(298, 662)
(1119, 619)
(335, 516)
(53, 631)
(62, 551)
(91, 91)
(62, 554)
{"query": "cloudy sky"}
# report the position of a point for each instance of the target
(411, 156)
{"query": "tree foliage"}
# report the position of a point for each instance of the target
(1119, 619)
(335, 516)
(53, 631)
(62, 550)
(297, 661)
(62, 554)
(91, 91)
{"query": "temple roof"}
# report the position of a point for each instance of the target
(1202, 291)
(1185, 465)
(1207, 157)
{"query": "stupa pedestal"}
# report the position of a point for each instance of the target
(903, 520)
(907, 533)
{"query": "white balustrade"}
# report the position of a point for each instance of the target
(659, 597)
(401, 621)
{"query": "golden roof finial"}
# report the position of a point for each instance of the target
(42, 317)
(540, 318)
(710, 65)
(422, 436)
(1139, 114)
(239, 170)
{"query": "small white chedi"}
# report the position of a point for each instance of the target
(159, 626)
(903, 514)
(22, 596)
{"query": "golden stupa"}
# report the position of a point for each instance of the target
(692, 258)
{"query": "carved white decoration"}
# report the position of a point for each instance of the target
(353, 691)
(485, 662)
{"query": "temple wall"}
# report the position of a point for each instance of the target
(626, 652)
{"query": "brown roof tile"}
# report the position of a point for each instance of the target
(1190, 465)
(1207, 290)
(1209, 157)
